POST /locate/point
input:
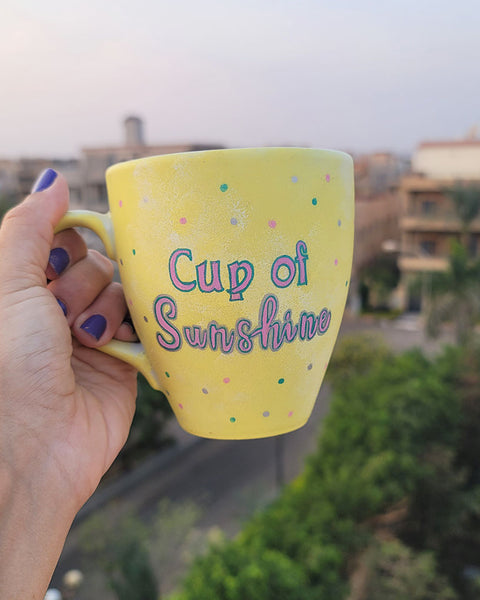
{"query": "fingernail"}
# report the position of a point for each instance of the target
(58, 260)
(62, 306)
(44, 180)
(95, 326)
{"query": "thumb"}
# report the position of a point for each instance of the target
(27, 231)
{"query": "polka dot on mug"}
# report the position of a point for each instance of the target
(183, 220)
(272, 224)
(180, 406)
(223, 187)
(120, 204)
(266, 413)
(233, 221)
(310, 367)
(232, 419)
(134, 251)
(145, 319)
(314, 201)
(281, 380)
(204, 390)
(339, 223)
(294, 178)
(167, 373)
(327, 178)
(336, 262)
(290, 413)
(226, 380)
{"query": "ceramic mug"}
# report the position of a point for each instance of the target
(235, 266)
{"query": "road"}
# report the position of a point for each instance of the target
(227, 480)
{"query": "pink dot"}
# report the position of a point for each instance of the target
(130, 302)
(183, 220)
(226, 380)
(290, 413)
(327, 178)
(180, 406)
(272, 224)
(120, 204)
(336, 261)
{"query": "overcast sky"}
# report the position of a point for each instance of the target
(354, 75)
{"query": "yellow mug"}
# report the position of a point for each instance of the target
(235, 266)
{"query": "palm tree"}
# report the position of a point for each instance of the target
(466, 201)
(455, 293)
(455, 296)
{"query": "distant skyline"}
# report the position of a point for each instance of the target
(358, 76)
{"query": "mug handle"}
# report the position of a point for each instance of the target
(132, 353)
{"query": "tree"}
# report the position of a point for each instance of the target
(398, 573)
(119, 547)
(466, 201)
(455, 296)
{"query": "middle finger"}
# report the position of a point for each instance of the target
(78, 287)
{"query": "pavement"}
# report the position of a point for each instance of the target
(228, 480)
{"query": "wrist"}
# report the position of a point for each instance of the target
(33, 528)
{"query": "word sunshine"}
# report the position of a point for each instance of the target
(270, 332)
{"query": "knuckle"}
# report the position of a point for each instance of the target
(102, 263)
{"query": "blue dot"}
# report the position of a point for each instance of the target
(233, 221)
(314, 201)
(294, 179)
(281, 380)
(223, 187)
(339, 223)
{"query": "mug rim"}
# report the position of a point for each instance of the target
(191, 154)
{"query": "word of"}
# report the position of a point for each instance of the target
(240, 273)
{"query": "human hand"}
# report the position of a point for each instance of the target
(65, 408)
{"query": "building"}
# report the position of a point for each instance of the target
(95, 161)
(18, 176)
(377, 212)
(429, 222)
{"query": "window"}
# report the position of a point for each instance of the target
(427, 247)
(429, 207)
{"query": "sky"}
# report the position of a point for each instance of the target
(360, 76)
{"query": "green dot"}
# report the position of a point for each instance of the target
(224, 187)
(281, 380)
(167, 373)
(232, 419)
(314, 201)
(134, 252)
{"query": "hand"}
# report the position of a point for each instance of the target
(65, 408)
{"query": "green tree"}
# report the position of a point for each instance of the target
(118, 546)
(398, 573)
(466, 201)
(378, 279)
(455, 296)
(236, 571)
(148, 431)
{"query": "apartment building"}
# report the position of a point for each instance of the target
(95, 161)
(429, 222)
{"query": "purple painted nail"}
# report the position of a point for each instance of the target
(95, 326)
(62, 306)
(58, 260)
(44, 181)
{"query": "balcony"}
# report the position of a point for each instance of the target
(444, 221)
(422, 263)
